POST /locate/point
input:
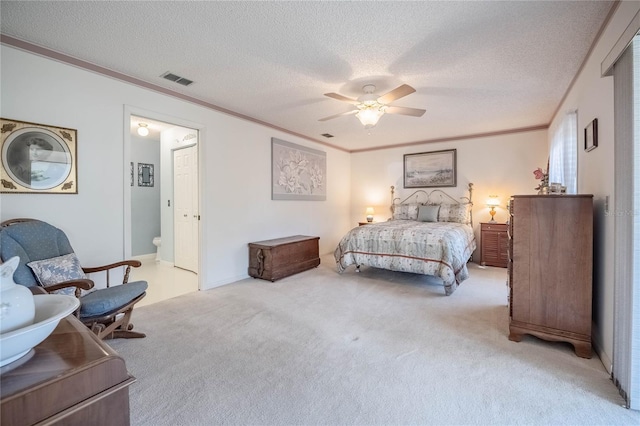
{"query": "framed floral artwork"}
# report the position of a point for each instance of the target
(37, 158)
(297, 172)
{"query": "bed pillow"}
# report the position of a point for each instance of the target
(459, 213)
(56, 270)
(405, 212)
(428, 213)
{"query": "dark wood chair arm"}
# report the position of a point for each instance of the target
(79, 284)
(107, 268)
(37, 290)
(134, 263)
(84, 284)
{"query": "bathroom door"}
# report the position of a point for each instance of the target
(186, 218)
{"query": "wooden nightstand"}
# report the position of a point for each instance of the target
(365, 223)
(494, 243)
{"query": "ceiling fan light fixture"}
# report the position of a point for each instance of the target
(142, 129)
(369, 116)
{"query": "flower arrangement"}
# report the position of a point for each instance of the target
(543, 177)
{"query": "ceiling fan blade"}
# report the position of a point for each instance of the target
(339, 115)
(415, 112)
(342, 98)
(396, 93)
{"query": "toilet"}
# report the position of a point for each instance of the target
(157, 241)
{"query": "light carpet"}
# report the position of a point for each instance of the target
(372, 348)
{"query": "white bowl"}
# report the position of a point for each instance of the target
(50, 309)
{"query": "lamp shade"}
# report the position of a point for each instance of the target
(369, 116)
(493, 201)
(369, 212)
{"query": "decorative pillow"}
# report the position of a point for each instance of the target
(405, 211)
(56, 270)
(428, 213)
(460, 213)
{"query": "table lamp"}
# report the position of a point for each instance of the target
(493, 202)
(369, 214)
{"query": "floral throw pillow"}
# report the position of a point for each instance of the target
(56, 270)
(459, 213)
(405, 212)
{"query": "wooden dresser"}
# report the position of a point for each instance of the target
(281, 257)
(494, 244)
(550, 268)
(71, 378)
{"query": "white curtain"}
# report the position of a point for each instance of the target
(626, 327)
(563, 156)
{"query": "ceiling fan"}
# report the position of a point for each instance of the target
(370, 107)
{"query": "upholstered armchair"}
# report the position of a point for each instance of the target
(47, 260)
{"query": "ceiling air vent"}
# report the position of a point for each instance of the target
(327, 135)
(176, 78)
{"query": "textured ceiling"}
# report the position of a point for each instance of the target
(477, 67)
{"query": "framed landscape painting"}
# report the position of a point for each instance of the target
(430, 169)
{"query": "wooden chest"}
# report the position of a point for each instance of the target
(281, 257)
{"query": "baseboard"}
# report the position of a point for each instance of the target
(606, 362)
(144, 257)
(226, 281)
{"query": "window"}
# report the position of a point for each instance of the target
(563, 157)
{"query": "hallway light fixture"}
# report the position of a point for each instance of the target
(142, 129)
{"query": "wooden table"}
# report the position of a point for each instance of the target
(71, 378)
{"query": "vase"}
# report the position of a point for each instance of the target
(17, 308)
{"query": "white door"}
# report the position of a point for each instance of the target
(185, 212)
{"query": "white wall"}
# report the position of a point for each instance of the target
(592, 96)
(497, 165)
(236, 205)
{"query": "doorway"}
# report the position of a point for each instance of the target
(151, 194)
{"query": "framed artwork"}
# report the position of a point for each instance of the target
(430, 169)
(591, 136)
(145, 174)
(297, 172)
(37, 158)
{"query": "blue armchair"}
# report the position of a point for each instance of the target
(47, 260)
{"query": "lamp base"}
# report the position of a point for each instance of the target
(369, 218)
(492, 212)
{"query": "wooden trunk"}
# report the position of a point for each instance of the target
(550, 270)
(281, 257)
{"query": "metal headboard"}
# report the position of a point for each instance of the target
(430, 200)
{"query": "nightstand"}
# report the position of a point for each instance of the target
(494, 243)
(365, 223)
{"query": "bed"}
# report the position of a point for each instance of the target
(431, 237)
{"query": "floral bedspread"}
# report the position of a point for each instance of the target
(441, 249)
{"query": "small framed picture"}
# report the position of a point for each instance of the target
(145, 174)
(591, 136)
